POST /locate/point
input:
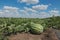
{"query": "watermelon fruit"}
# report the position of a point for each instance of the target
(36, 28)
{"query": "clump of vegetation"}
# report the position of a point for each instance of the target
(10, 26)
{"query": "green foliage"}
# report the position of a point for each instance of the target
(14, 25)
(19, 28)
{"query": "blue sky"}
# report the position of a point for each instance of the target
(29, 8)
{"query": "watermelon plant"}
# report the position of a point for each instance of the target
(35, 25)
(35, 28)
(19, 28)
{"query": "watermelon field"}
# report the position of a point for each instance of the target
(29, 28)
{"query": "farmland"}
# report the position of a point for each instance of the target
(10, 26)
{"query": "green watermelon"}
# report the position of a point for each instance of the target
(36, 28)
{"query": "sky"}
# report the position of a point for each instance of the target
(29, 8)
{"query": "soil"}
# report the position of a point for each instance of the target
(49, 34)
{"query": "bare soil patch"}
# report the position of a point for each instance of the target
(49, 34)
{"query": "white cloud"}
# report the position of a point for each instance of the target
(1, 12)
(40, 7)
(29, 9)
(23, 11)
(28, 12)
(9, 11)
(29, 1)
(44, 14)
(54, 12)
(9, 8)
